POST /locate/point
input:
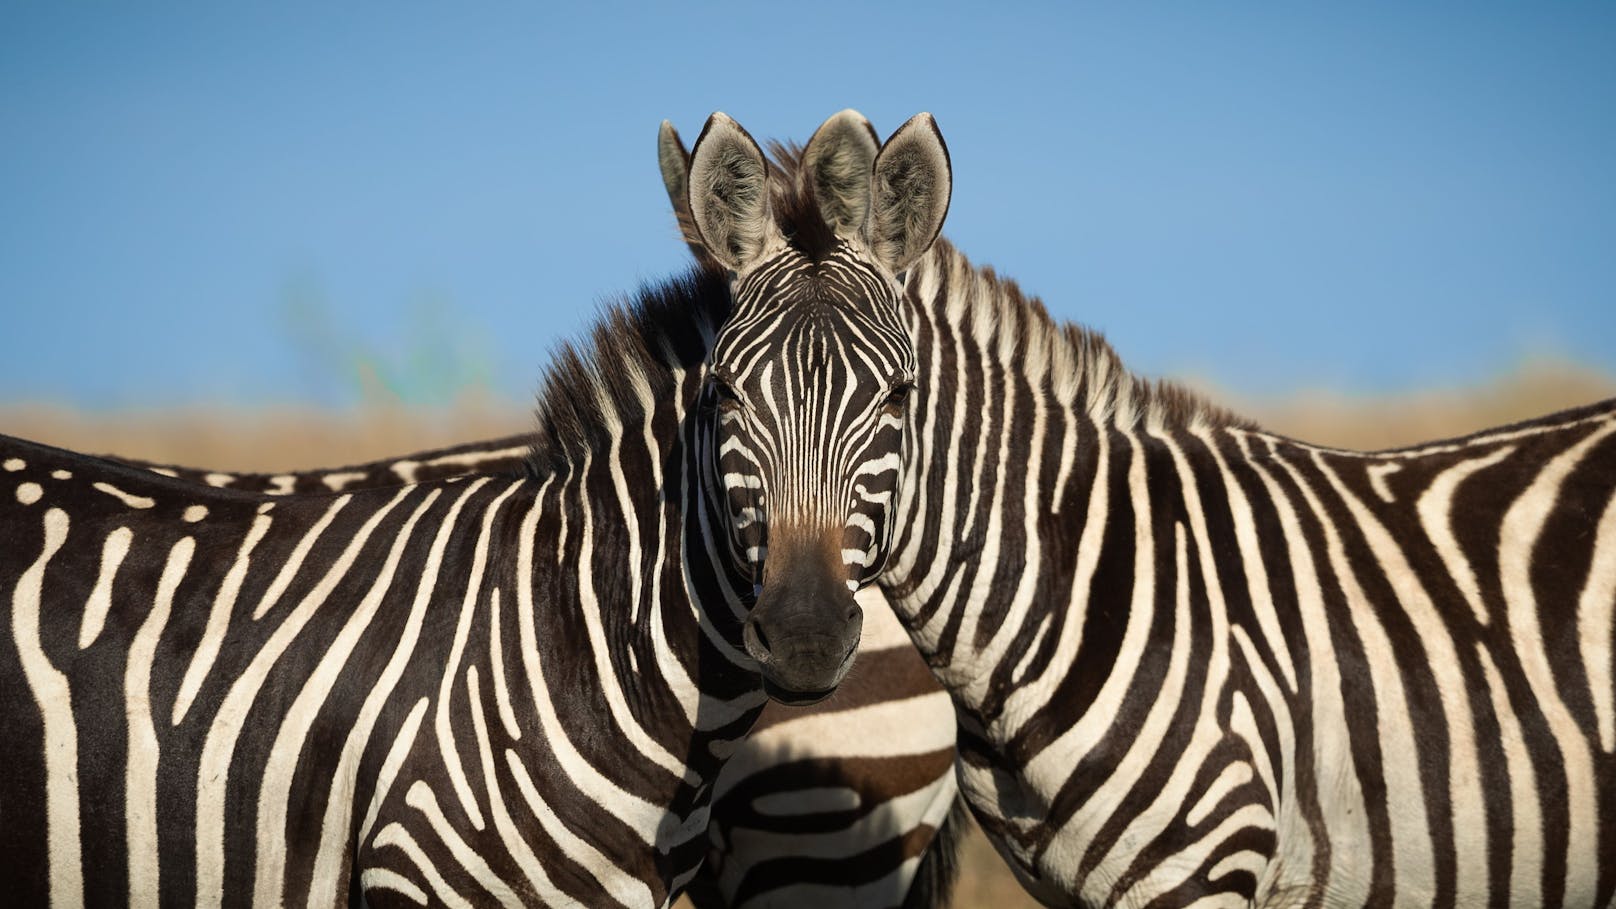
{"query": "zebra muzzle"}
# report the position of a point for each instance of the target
(804, 633)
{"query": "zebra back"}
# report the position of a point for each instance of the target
(506, 456)
(1222, 664)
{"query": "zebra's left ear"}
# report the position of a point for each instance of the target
(674, 162)
(913, 184)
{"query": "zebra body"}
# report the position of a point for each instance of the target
(362, 684)
(836, 803)
(1196, 661)
(1197, 664)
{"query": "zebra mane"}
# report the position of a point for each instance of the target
(635, 350)
(638, 343)
(1086, 371)
(1077, 362)
(794, 203)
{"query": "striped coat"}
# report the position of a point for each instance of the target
(838, 803)
(1194, 661)
(419, 693)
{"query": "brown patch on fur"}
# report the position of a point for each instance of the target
(799, 542)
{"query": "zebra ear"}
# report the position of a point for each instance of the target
(839, 160)
(729, 193)
(674, 161)
(913, 183)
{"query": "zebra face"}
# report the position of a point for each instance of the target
(810, 378)
(807, 395)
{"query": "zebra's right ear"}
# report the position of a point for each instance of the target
(729, 193)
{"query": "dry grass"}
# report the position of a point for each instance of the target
(1373, 422)
(289, 439)
(285, 439)
(260, 440)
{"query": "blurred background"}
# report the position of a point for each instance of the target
(310, 234)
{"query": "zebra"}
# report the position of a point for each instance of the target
(235, 702)
(851, 801)
(1197, 663)
(505, 456)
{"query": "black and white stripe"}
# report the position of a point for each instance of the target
(806, 442)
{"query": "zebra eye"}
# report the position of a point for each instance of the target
(724, 396)
(898, 397)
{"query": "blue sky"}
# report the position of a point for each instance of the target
(210, 205)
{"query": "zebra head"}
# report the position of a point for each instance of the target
(810, 377)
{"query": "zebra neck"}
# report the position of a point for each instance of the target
(1034, 452)
(661, 601)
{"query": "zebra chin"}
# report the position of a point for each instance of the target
(799, 692)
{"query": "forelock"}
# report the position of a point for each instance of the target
(795, 205)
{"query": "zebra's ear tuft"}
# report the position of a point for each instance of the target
(673, 159)
(729, 193)
(913, 183)
(839, 160)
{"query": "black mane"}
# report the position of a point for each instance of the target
(664, 326)
(794, 204)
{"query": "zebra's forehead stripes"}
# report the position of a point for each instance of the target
(805, 314)
(819, 344)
